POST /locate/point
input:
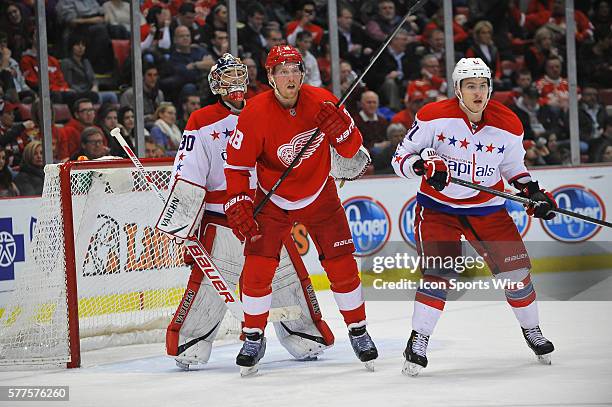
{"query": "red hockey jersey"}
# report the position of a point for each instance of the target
(270, 136)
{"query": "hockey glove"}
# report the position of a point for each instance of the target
(544, 200)
(239, 211)
(334, 122)
(433, 168)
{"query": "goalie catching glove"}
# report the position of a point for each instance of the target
(239, 212)
(335, 122)
(544, 200)
(433, 168)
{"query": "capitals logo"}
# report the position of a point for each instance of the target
(470, 168)
(287, 152)
(406, 221)
(12, 249)
(578, 199)
(369, 223)
(520, 217)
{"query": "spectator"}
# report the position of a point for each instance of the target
(522, 80)
(165, 132)
(31, 177)
(383, 23)
(388, 75)
(155, 34)
(372, 126)
(304, 21)
(189, 104)
(592, 114)
(532, 156)
(187, 17)
(35, 133)
(251, 36)
(485, 49)
(18, 29)
(382, 160)
(152, 95)
(500, 14)
(602, 18)
(117, 17)
(127, 124)
(152, 149)
(254, 86)
(80, 75)
(84, 115)
(215, 21)
(431, 84)
(554, 89)
(189, 62)
(219, 44)
(86, 18)
(60, 90)
(554, 18)
(531, 114)
(433, 44)
(8, 188)
(10, 74)
(460, 35)
(312, 74)
(13, 136)
(603, 153)
(93, 145)
(539, 52)
(352, 39)
(595, 65)
(347, 77)
(413, 104)
(107, 119)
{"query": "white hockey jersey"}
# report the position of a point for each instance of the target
(481, 155)
(202, 152)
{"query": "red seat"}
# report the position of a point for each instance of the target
(605, 96)
(121, 49)
(504, 97)
(62, 113)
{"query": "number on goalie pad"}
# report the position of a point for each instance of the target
(349, 169)
(195, 324)
(183, 211)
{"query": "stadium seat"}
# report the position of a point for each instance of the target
(121, 49)
(504, 97)
(62, 113)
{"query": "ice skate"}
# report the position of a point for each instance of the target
(253, 349)
(415, 354)
(363, 345)
(541, 346)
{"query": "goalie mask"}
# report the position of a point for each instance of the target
(229, 77)
(471, 68)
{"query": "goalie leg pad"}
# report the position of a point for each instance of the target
(309, 335)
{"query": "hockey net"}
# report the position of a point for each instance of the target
(98, 274)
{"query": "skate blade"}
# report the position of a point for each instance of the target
(181, 365)
(545, 359)
(411, 369)
(248, 371)
(369, 365)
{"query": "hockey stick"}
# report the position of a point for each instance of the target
(201, 256)
(527, 201)
(350, 90)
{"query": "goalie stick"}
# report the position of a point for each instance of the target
(202, 257)
(527, 201)
(350, 90)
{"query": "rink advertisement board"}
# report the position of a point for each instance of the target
(380, 211)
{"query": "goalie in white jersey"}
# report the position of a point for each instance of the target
(476, 139)
(197, 166)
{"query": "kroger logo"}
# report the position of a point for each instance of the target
(406, 221)
(578, 199)
(519, 216)
(369, 222)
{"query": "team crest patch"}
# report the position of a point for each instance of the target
(287, 152)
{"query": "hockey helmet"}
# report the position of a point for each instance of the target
(229, 77)
(283, 54)
(471, 68)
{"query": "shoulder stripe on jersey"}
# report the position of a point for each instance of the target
(238, 167)
(190, 132)
(521, 175)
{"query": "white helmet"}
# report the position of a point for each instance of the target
(471, 68)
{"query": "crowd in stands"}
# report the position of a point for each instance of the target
(522, 41)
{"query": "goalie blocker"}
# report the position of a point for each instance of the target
(296, 314)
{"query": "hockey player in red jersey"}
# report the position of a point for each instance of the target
(199, 164)
(476, 139)
(271, 130)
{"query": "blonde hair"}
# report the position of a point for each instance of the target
(480, 26)
(163, 106)
(30, 150)
(540, 34)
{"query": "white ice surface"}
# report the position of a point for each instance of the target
(477, 357)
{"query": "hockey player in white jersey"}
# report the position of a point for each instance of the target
(476, 139)
(198, 166)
